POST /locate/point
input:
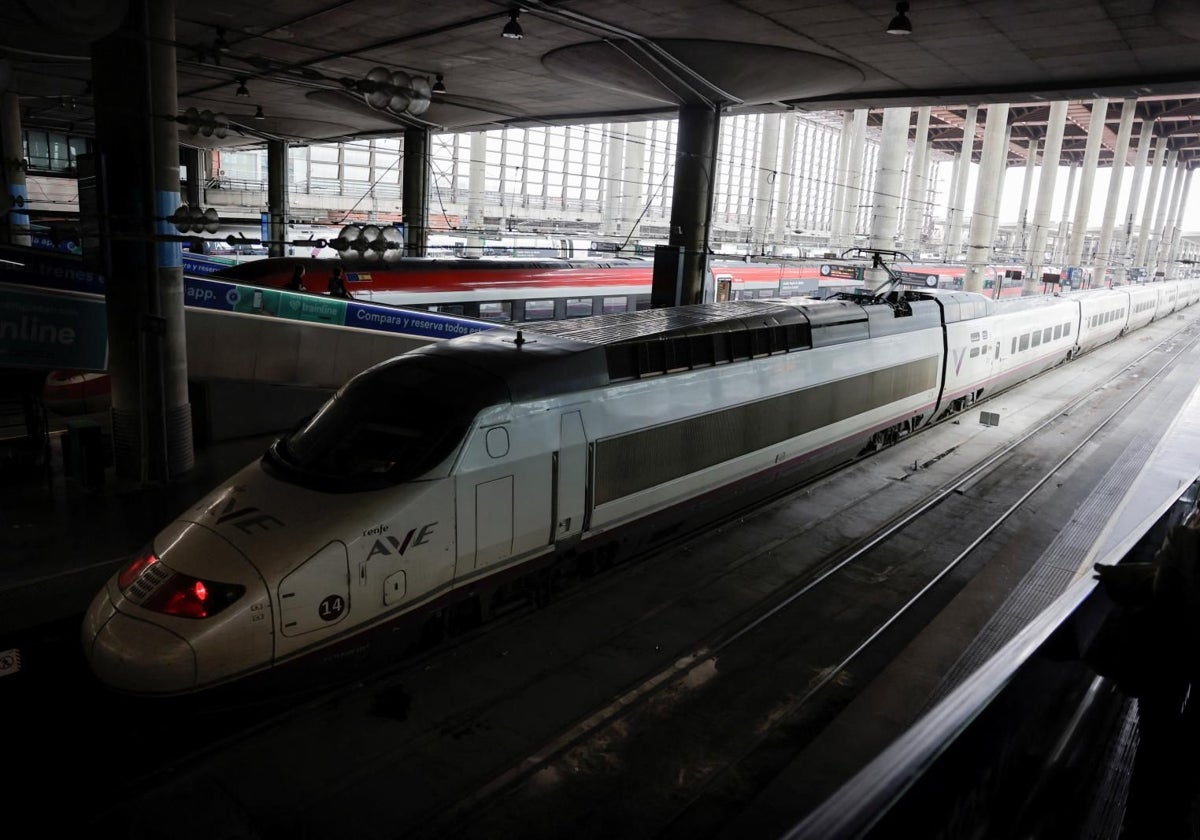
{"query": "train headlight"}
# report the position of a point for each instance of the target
(148, 583)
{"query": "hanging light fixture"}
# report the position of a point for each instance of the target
(241, 91)
(900, 24)
(439, 86)
(258, 114)
(513, 29)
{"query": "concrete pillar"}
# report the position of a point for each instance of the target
(783, 182)
(1036, 255)
(993, 156)
(189, 156)
(1087, 177)
(1174, 248)
(634, 181)
(415, 202)
(1160, 216)
(1125, 235)
(1167, 231)
(960, 189)
(1061, 244)
(133, 75)
(1156, 173)
(889, 180)
(1026, 188)
(914, 204)
(764, 198)
(1106, 258)
(691, 207)
(12, 174)
(1001, 179)
(841, 176)
(956, 168)
(277, 197)
(614, 180)
(476, 180)
(854, 173)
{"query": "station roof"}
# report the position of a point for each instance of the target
(306, 63)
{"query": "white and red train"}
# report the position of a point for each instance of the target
(447, 478)
(516, 290)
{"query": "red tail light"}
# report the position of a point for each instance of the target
(150, 584)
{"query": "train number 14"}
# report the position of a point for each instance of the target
(331, 607)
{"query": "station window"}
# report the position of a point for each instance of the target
(1025, 342)
(579, 307)
(500, 310)
(615, 304)
(448, 308)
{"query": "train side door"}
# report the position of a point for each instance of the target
(570, 478)
(724, 287)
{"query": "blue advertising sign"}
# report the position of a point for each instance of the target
(46, 330)
(49, 270)
(315, 308)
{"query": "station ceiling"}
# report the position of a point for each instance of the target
(307, 63)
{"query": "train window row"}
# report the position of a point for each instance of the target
(549, 309)
(1144, 305)
(1106, 317)
(1035, 338)
(685, 352)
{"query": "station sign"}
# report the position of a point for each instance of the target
(842, 272)
(918, 278)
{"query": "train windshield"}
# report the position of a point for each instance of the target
(390, 424)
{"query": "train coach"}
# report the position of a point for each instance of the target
(442, 481)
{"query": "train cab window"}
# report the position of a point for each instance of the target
(1036, 339)
(392, 423)
(1024, 342)
(579, 307)
(539, 310)
(1046, 333)
(1058, 331)
(615, 304)
(500, 310)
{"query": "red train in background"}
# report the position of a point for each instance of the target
(530, 289)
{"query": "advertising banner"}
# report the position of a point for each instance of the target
(45, 330)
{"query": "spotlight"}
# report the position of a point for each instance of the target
(241, 91)
(258, 114)
(439, 86)
(900, 24)
(512, 29)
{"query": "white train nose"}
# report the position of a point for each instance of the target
(194, 617)
(130, 654)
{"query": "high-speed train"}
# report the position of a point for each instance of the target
(439, 482)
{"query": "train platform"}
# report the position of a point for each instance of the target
(65, 527)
